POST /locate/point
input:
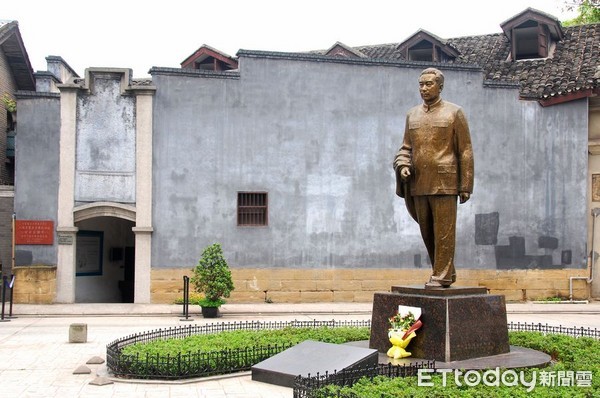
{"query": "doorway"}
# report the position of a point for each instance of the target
(105, 261)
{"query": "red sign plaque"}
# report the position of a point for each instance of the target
(33, 232)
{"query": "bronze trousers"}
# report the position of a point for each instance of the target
(436, 215)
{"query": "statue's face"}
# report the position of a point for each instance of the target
(429, 88)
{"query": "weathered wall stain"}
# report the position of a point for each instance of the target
(514, 255)
(486, 228)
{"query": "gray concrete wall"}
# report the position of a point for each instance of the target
(105, 158)
(531, 184)
(36, 187)
(320, 137)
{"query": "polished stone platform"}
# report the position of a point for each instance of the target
(459, 323)
(516, 358)
(440, 292)
(312, 357)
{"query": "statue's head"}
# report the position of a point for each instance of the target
(439, 76)
(431, 83)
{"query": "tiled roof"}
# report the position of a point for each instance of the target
(574, 66)
(570, 69)
(11, 44)
(381, 51)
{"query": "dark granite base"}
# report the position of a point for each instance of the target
(440, 291)
(517, 357)
(458, 323)
(312, 357)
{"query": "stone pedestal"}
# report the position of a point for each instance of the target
(78, 333)
(458, 322)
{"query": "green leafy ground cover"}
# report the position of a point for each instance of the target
(568, 354)
(194, 299)
(241, 339)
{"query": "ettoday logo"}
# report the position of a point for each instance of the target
(511, 378)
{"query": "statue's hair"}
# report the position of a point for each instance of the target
(439, 76)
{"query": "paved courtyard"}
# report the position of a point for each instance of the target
(37, 360)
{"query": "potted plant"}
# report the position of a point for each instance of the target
(212, 278)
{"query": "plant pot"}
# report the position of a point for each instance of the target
(210, 312)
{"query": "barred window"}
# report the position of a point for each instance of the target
(252, 209)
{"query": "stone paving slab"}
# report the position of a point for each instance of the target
(195, 311)
(250, 309)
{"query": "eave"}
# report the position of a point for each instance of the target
(14, 50)
(561, 99)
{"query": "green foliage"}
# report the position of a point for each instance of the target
(242, 339)
(575, 353)
(198, 299)
(568, 354)
(589, 12)
(551, 299)
(205, 302)
(9, 103)
(212, 276)
(402, 322)
(219, 353)
(194, 299)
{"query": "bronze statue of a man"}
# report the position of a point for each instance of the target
(433, 167)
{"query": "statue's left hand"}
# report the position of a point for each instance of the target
(464, 196)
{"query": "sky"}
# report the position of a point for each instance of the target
(142, 34)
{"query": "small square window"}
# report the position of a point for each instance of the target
(252, 209)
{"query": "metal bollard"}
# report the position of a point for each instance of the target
(186, 299)
(4, 285)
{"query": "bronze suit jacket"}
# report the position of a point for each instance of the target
(437, 148)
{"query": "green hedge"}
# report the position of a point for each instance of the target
(569, 354)
(242, 339)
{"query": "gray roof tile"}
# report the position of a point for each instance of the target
(573, 67)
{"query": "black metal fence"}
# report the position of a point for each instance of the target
(548, 329)
(192, 364)
(313, 387)
(200, 363)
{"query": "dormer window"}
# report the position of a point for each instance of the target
(532, 34)
(530, 41)
(210, 63)
(341, 50)
(422, 51)
(424, 46)
(209, 59)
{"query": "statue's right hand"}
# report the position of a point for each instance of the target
(405, 172)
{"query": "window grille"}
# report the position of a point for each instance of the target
(252, 209)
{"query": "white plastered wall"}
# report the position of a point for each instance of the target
(67, 231)
(594, 192)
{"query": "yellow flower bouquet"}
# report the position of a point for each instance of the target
(402, 330)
